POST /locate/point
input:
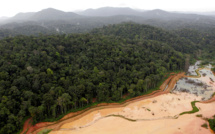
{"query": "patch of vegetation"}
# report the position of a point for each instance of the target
(212, 123)
(213, 94)
(212, 63)
(199, 115)
(85, 108)
(195, 109)
(193, 61)
(205, 125)
(205, 62)
(133, 120)
(45, 131)
(213, 69)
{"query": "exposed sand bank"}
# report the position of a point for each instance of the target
(157, 123)
(74, 116)
(153, 113)
(114, 125)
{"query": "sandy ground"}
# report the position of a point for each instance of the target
(158, 115)
(152, 113)
(121, 126)
(159, 123)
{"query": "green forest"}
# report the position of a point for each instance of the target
(46, 76)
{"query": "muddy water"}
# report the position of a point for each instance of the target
(203, 86)
(192, 68)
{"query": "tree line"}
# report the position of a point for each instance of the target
(45, 76)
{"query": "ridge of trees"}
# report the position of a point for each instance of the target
(45, 76)
(134, 31)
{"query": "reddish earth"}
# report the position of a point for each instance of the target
(27, 124)
(209, 101)
(125, 95)
(172, 73)
(171, 81)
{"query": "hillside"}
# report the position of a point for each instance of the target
(145, 32)
(53, 14)
(47, 76)
(81, 22)
(110, 11)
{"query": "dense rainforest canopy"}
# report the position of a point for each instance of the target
(45, 76)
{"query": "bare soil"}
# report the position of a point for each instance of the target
(107, 108)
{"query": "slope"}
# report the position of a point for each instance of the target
(47, 76)
(134, 31)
